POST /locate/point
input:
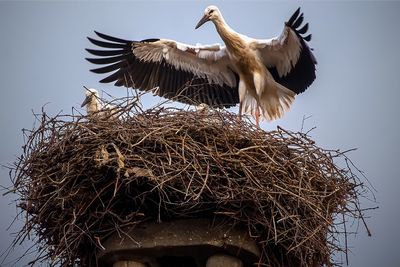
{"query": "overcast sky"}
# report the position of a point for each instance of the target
(353, 102)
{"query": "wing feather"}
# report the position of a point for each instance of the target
(303, 29)
(108, 68)
(288, 56)
(294, 16)
(104, 53)
(178, 71)
(106, 60)
(162, 81)
(113, 77)
(298, 21)
(111, 38)
(105, 44)
(307, 38)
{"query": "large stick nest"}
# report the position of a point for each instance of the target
(83, 179)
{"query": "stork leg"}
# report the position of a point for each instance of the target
(259, 84)
(257, 116)
(240, 112)
(242, 93)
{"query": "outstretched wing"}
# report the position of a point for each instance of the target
(288, 56)
(185, 73)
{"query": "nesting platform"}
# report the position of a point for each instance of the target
(85, 181)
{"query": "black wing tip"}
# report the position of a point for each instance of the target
(96, 70)
(303, 29)
(105, 80)
(108, 59)
(122, 41)
(293, 17)
(295, 23)
(91, 51)
(106, 37)
(101, 35)
(296, 18)
(91, 61)
(92, 40)
(150, 40)
(307, 38)
(92, 70)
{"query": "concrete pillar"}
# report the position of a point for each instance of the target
(221, 260)
(197, 241)
(128, 264)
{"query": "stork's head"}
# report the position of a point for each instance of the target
(211, 13)
(91, 97)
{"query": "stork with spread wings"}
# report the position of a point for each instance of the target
(263, 76)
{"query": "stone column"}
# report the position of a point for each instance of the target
(189, 243)
(221, 260)
(128, 264)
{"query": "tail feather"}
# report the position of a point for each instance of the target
(249, 105)
(274, 102)
(278, 102)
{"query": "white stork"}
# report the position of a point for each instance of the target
(263, 76)
(91, 101)
(95, 108)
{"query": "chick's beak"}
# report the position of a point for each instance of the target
(203, 20)
(87, 99)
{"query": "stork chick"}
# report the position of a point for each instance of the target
(91, 102)
(96, 108)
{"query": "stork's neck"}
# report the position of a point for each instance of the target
(227, 33)
(93, 105)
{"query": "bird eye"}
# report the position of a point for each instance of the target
(211, 11)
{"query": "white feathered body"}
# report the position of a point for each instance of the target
(95, 108)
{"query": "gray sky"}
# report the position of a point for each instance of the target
(353, 102)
